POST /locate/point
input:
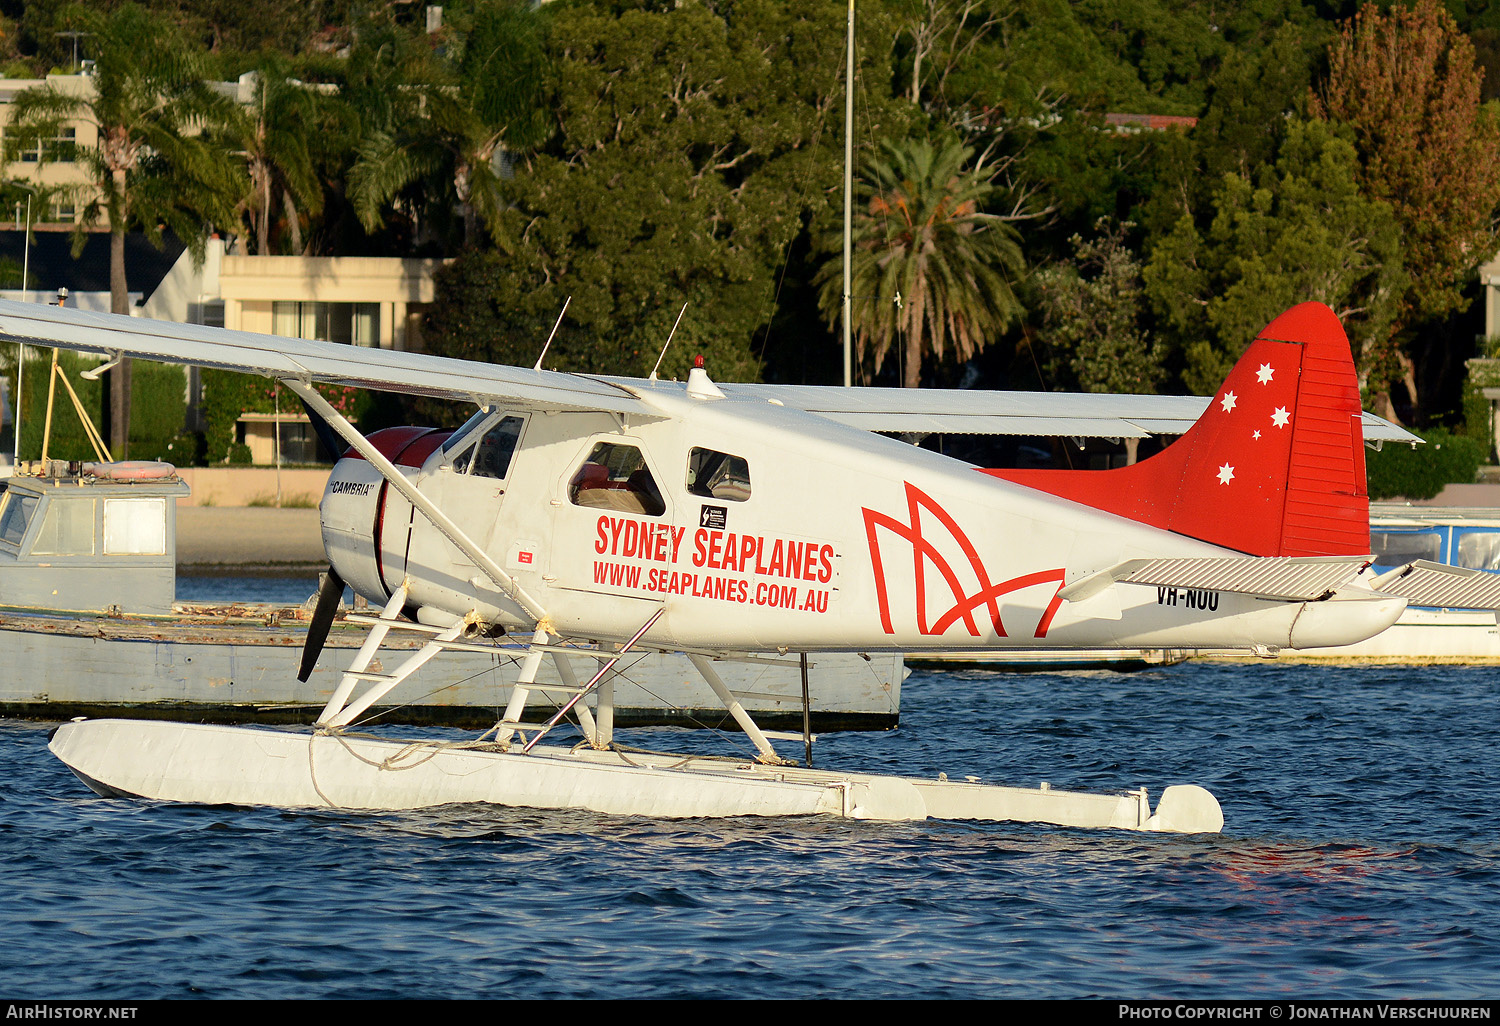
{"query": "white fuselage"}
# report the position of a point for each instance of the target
(829, 538)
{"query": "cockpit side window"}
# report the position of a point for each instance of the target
(493, 453)
(615, 477)
(490, 454)
(718, 475)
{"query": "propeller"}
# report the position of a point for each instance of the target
(330, 585)
(330, 591)
(333, 445)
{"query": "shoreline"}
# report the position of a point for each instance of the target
(248, 540)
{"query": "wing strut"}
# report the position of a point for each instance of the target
(706, 670)
(446, 527)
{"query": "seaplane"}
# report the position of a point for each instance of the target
(585, 519)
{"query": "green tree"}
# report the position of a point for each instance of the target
(159, 394)
(929, 265)
(1092, 309)
(695, 144)
(272, 134)
(1302, 230)
(1405, 79)
(151, 166)
(1252, 97)
(459, 123)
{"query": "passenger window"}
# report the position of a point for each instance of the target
(1393, 548)
(615, 477)
(464, 433)
(1478, 550)
(718, 475)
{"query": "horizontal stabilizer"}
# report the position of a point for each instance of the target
(1447, 587)
(983, 412)
(1286, 578)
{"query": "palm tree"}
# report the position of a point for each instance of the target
(272, 133)
(929, 265)
(150, 166)
(452, 123)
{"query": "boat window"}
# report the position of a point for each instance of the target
(491, 457)
(67, 529)
(616, 477)
(718, 475)
(1479, 550)
(15, 517)
(135, 527)
(1393, 548)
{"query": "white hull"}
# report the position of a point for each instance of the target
(254, 766)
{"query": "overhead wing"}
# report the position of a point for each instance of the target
(1446, 587)
(961, 411)
(306, 360)
(1285, 578)
(975, 411)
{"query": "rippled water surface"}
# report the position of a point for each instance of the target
(1358, 860)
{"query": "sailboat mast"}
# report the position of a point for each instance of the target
(848, 189)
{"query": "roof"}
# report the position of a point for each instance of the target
(53, 266)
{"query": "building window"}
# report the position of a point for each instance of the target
(62, 213)
(352, 323)
(289, 437)
(60, 149)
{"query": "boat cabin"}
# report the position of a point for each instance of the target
(1456, 536)
(90, 537)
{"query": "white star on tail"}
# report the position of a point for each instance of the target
(1256, 434)
(1280, 417)
(1265, 374)
(1226, 474)
(1228, 401)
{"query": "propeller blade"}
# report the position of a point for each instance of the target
(333, 445)
(330, 590)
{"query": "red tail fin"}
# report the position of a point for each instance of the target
(1274, 467)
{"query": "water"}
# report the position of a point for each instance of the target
(1359, 860)
(270, 587)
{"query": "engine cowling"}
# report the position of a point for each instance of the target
(352, 512)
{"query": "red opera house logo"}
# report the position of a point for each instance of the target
(966, 597)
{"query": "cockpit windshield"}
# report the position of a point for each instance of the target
(466, 432)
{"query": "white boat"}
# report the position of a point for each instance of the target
(1467, 537)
